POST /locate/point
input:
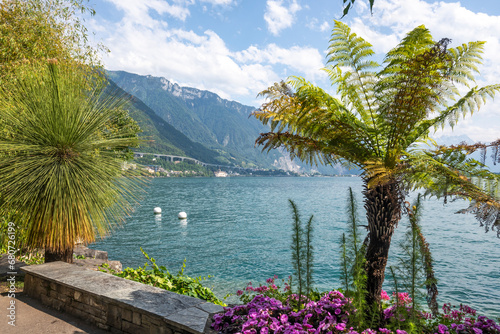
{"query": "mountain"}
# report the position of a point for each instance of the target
(220, 125)
(160, 135)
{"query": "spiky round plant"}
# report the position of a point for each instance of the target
(61, 155)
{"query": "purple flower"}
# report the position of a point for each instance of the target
(442, 329)
(340, 327)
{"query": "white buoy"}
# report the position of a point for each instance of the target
(182, 215)
(157, 210)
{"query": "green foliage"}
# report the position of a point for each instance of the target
(344, 265)
(302, 254)
(61, 158)
(415, 272)
(160, 277)
(32, 31)
(411, 264)
(353, 262)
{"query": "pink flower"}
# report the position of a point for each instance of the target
(384, 295)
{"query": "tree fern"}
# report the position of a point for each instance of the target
(381, 113)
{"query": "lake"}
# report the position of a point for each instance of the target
(239, 230)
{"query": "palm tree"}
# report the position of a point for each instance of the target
(61, 152)
(376, 121)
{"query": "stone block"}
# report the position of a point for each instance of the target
(97, 303)
(151, 321)
(67, 291)
(77, 296)
(127, 315)
(96, 319)
(136, 318)
(78, 305)
(129, 327)
(94, 311)
(114, 316)
(102, 326)
(63, 298)
(53, 294)
(163, 329)
(79, 313)
(46, 300)
(57, 304)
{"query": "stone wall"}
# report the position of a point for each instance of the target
(117, 304)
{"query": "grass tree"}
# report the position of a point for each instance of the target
(380, 113)
(61, 149)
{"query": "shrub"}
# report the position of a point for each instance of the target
(160, 277)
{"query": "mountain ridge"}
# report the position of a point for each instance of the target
(204, 117)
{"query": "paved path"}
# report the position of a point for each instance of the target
(32, 317)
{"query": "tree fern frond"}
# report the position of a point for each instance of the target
(469, 103)
(465, 59)
(415, 42)
(349, 51)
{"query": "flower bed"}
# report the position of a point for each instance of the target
(332, 313)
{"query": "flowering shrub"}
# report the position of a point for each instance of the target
(332, 313)
(281, 292)
(270, 289)
(267, 315)
(463, 321)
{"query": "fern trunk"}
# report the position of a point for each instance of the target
(383, 211)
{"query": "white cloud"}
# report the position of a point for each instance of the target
(219, 2)
(138, 10)
(201, 61)
(278, 16)
(305, 60)
(314, 24)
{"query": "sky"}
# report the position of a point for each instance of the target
(237, 48)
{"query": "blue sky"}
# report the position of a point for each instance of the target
(236, 48)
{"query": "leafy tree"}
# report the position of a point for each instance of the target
(35, 30)
(381, 113)
(61, 159)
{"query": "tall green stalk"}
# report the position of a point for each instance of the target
(354, 261)
(302, 253)
(309, 257)
(416, 264)
(344, 264)
(297, 251)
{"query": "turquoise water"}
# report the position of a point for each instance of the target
(238, 230)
